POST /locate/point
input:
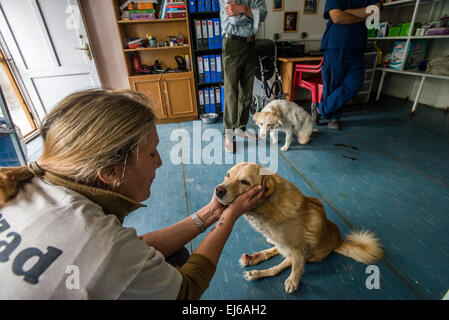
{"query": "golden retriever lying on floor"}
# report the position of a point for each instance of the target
(294, 223)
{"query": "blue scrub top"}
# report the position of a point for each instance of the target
(349, 35)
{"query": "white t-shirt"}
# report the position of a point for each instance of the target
(57, 244)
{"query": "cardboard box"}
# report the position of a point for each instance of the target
(416, 53)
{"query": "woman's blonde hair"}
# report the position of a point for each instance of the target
(87, 131)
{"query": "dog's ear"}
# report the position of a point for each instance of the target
(256, 117)
(277, 114)
(270, 185)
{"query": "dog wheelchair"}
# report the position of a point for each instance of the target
(267, 81)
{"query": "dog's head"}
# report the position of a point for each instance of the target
(241, 178)
(268, 120)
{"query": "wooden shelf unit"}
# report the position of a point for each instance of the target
(172, 93)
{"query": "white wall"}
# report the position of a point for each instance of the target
(314, 25)
(105, 41)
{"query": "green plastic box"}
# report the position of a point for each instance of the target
(405, 27)
(394, 32)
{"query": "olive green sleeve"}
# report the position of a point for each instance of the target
(196, 273)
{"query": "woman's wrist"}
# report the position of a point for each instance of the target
(207, 216)
(231, 213)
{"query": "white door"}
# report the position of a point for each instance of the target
(47, 43)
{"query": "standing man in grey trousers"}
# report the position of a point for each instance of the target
(239, 21)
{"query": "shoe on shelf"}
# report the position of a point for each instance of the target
(334, 124)
(229, 143)
(245, 134)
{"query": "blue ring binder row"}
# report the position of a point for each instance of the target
(211, 99)
(204, 5)
(208, 60)
(208, 34)
(209, 68)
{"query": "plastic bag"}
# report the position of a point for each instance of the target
(439, 66)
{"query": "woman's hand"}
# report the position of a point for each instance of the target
(247, 201)
(215, 208)
(211, 212)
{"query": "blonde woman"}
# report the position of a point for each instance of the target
(61, 233)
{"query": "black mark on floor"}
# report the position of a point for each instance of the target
(352, 158)
(346, 146)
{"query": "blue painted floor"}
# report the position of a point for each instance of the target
(382, 171)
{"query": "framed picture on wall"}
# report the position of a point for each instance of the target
(310, 7)
(290, 21)
(278, 5)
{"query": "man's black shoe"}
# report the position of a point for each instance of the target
(334, 124)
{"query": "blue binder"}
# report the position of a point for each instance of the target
(200, 4)
(212, 99)
(207, 5)
(192, 6)
(213, 69)
(210, 33)
(206, 100)
(215, 5)
(222, 98)
(218, 68)
(206, 69)
(217, 33)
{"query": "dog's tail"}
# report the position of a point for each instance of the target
(362, 246)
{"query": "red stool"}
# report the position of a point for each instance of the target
(313, 84)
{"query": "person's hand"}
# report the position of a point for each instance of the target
(247, 201)
(215, 209)
(234, 8)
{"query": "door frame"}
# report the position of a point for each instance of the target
(6, 65)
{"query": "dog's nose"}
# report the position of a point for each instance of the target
(220, 191)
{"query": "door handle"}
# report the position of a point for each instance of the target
(86, 49)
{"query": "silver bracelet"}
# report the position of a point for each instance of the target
(198, 222)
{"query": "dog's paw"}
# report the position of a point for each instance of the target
(284, 148)
(250, 275)
(247, 260)
(291, 285)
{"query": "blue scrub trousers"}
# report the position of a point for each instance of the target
(343, 73)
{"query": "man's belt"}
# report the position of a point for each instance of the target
(246, 39)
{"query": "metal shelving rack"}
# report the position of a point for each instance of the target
(409, 38)
(370, 66)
